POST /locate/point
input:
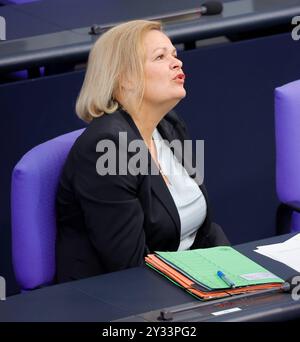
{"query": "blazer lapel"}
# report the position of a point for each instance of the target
(162, 192)
(168, 132)
(158, 184)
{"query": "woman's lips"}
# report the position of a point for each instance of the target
(179, 78)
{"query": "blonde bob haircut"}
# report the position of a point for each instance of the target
(118, 54)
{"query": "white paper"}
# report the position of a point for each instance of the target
(287, 252)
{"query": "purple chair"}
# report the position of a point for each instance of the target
(16, 2)
(34, 184)
(287, 134)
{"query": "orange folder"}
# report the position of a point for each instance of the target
(191, 287)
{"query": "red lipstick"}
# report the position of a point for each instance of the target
(179, 77)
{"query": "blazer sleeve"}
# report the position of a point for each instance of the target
(112, 211)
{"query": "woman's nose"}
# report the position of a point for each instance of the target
(176, 63)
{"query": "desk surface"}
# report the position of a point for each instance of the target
(52, 31)
(49, 16)
(121, 294)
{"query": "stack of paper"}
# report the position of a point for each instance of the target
(198, 271)
(287, 252)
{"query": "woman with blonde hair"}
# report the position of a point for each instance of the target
(124, 192)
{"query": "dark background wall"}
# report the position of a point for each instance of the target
(229, 105)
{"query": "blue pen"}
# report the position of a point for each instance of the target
(226, 279)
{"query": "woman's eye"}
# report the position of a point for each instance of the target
(159, 57)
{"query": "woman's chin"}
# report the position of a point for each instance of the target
(182, 93)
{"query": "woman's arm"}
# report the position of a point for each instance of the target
(113, 213)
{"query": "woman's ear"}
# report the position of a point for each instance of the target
(126, 84)
(124, 95)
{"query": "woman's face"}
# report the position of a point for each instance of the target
(164, 78)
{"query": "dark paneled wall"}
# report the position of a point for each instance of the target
(230, 105)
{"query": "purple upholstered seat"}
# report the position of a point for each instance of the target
(16, 2)
(287, 132)
(34, 184)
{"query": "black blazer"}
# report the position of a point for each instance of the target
(108, 223)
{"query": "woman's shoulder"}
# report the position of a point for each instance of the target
(106, 126)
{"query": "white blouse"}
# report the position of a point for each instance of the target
(188, 197)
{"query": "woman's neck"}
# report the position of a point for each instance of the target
(146, 125)
(146, 120)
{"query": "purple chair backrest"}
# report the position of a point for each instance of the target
(34, 185)
(16, 2)
(287, 134)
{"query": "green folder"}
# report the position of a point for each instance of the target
(202, 266)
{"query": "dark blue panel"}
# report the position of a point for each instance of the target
(78, 13)
(230, 105)
(43, 17)
(58, 304)
(20, 24)
(140, 290)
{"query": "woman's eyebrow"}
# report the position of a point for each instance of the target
(165, 49)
